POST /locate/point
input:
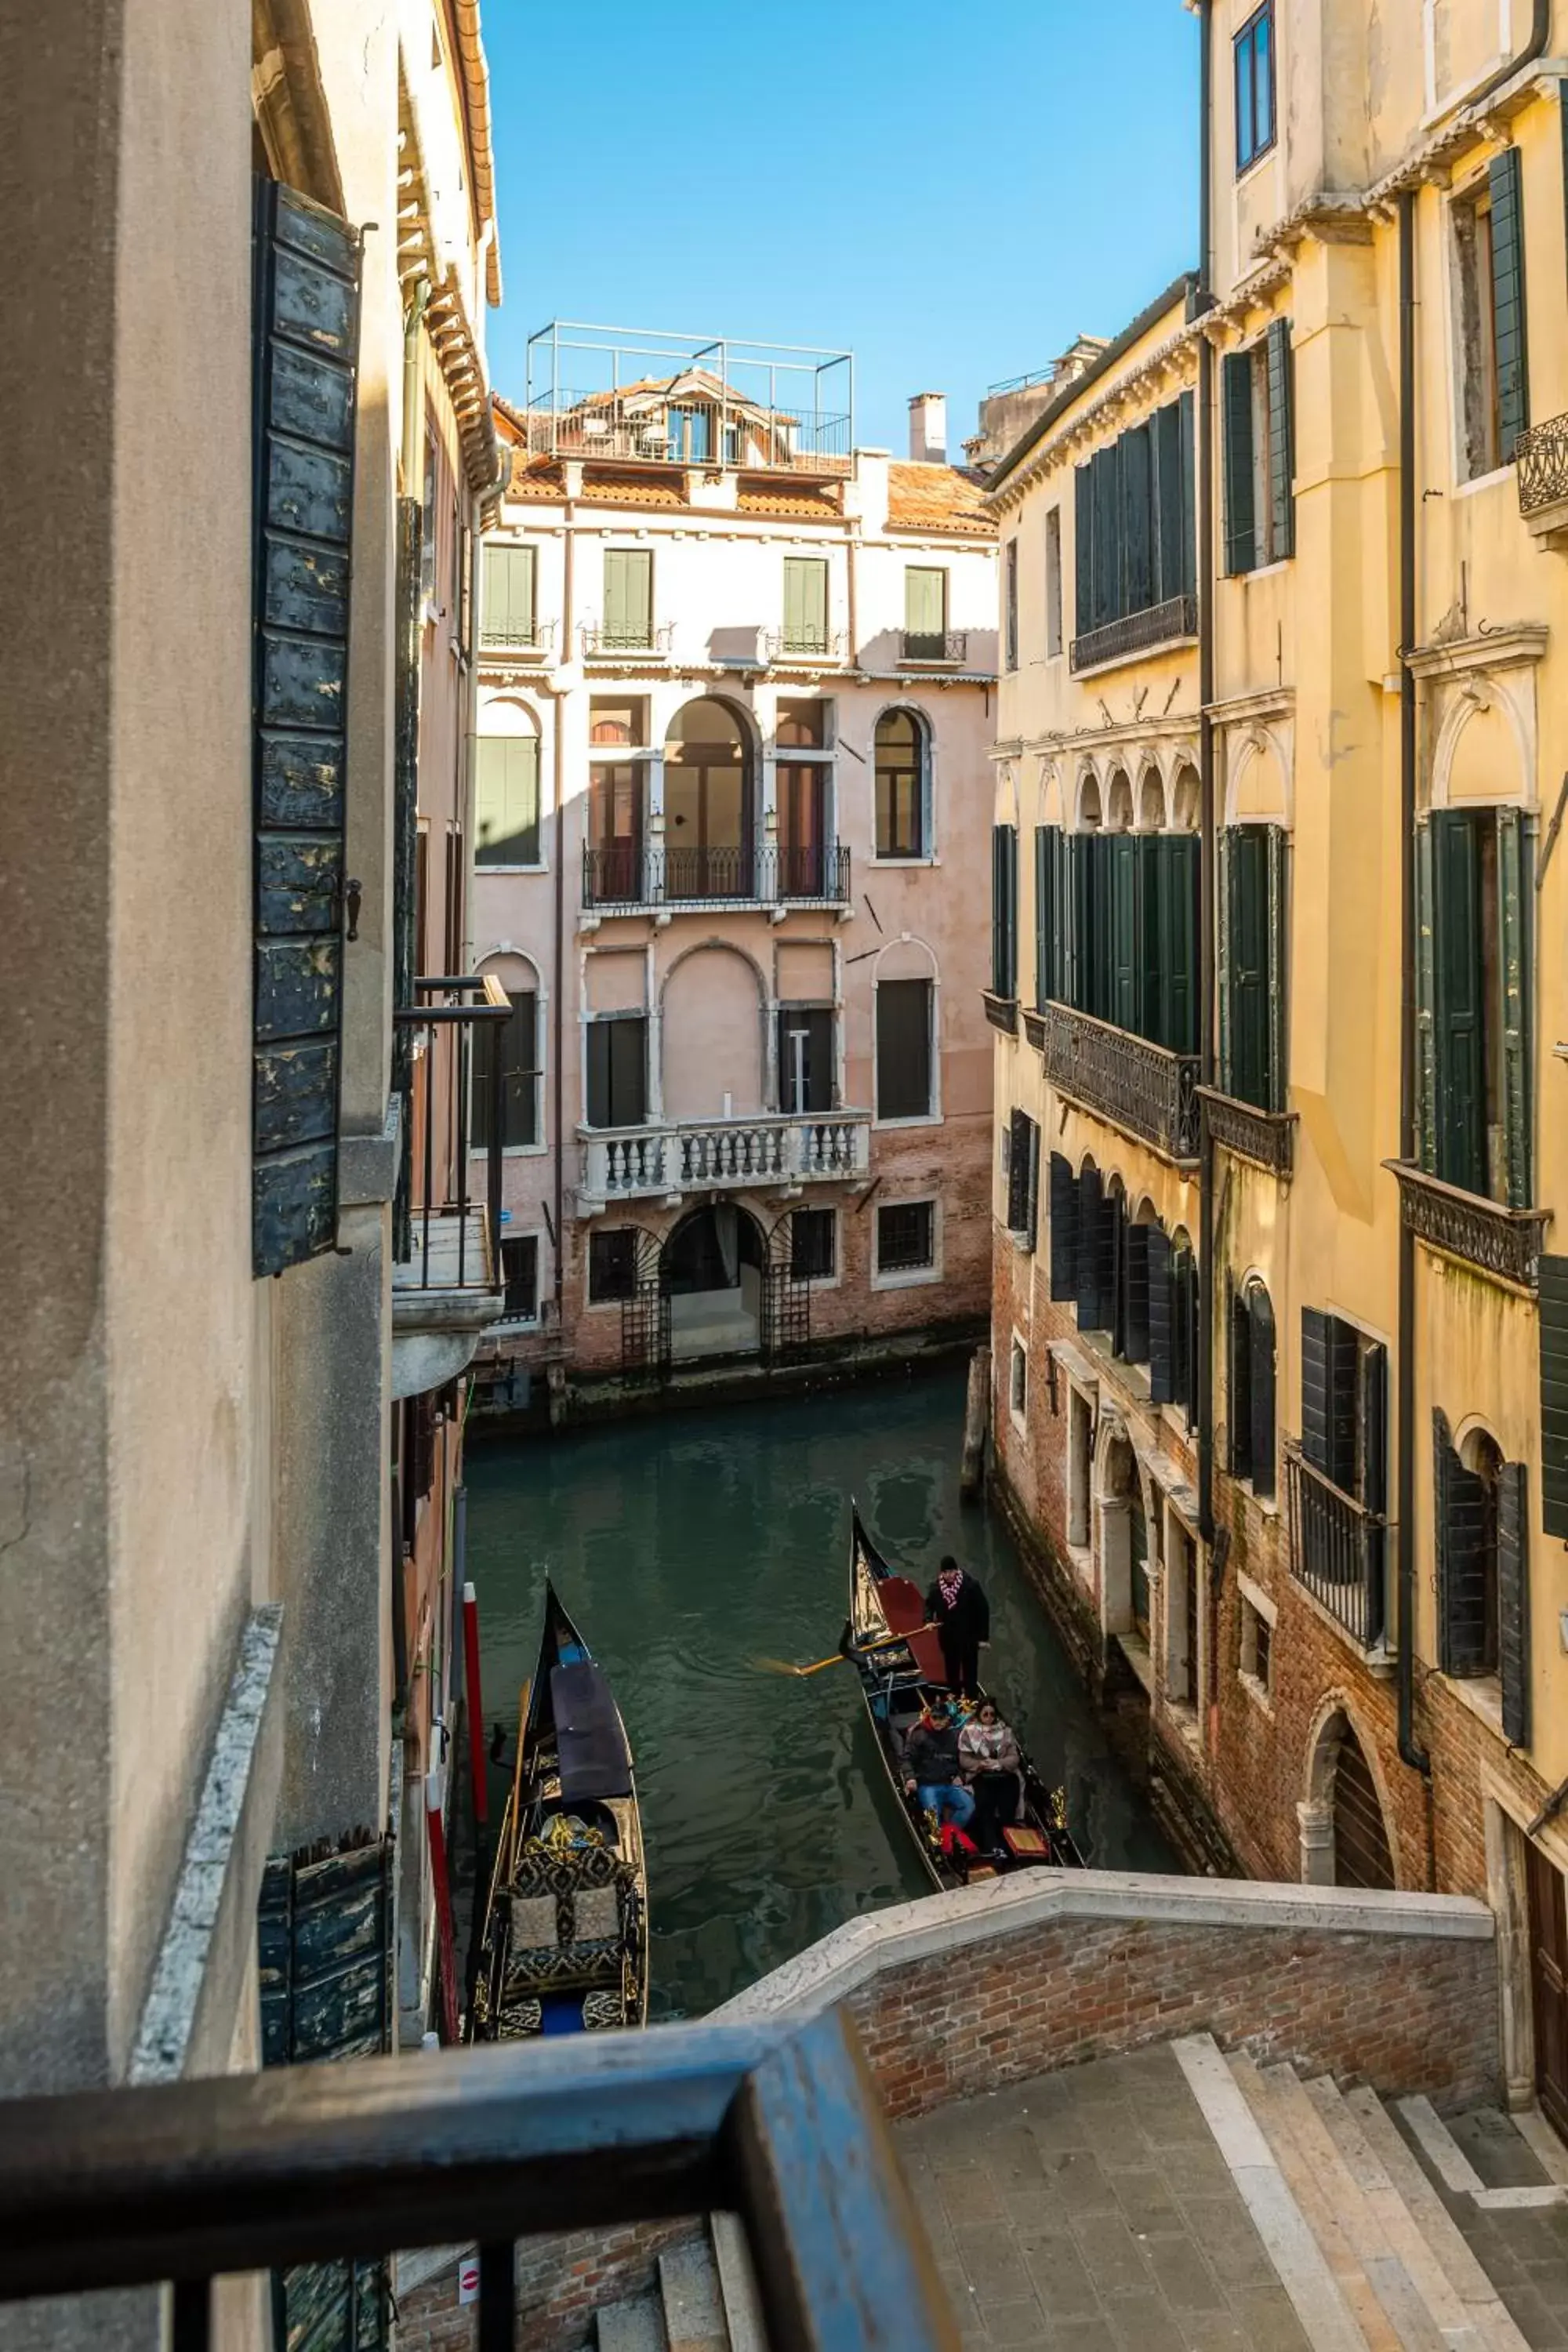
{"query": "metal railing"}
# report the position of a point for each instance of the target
(623, 875)
(1337, 1549)
(927, 646)
(1135, 633)
(443, 1238)
(602, 644)
(1146, 1091)
(187, 2182)
(1485, 1234)
(1266, 1138)
(650, 396)
(803, 644)
(518, 636)
(693, 1155)
(1541, 461)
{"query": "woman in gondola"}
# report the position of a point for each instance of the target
(956, 1605)
(992, 1765)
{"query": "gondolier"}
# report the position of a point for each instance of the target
(957, 1606)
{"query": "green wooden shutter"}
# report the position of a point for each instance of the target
(305, 337)
(1062, 1210)
(1154, 850)
(1189, 496)
(1090, 1220)
(1108, 1253)
(1179, 930)
(1125, 991)
(1281, 442)
(903, 1049)
(1135, 1332)
(1515, 904)
(1554, 1340)
(628, 1070)
(1225, 925)
(1239, 1385)
(1459, 1023)
(509, 587)
(1162, 1368)
(520, 1045)
(1362, 1375)
(628, 597)
(1236, 404)
(1250, 962)
(1315, 1438)
(1262, 1366)
(925, 611)
(1018, 1171)
(1032, 1200)
(1513, 1602)
(1459, 1541)
(1083, 548)
(1169, 502)
(1004, 910)
(1108, 592)
(1279, 849)
(1048, 851)
(506, 800)
(1185, 1328)
(1508, 301)
(1426, 1005)
(598, 1070)
(1137, 488)
(1101, 927)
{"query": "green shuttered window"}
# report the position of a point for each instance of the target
(1117, 929)
(1475, 954)
(1005, 910)
(1553, 1337)
(617, 1071)
(925, 612)
(1253, 964)
(517, 1040)
(628, 598)
(1258, 448)
(1134, 523)
(1023, 1178)
(509, 589)
(805, 604)
(1508, 301)
(305, 346)
(506, 800)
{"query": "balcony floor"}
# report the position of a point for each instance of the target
(458, 1290)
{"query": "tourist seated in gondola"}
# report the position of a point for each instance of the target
(956, 1605)
(993, 1769)
(932, 1768)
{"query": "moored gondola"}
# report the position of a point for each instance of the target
(900, 1663)
(564, 1943)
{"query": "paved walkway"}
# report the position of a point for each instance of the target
(1091, 2210)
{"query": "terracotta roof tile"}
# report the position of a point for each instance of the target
(791, 501)
(936, 497)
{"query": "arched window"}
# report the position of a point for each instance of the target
(506, 788)
(707, 804)
(903, 786)
(1481, 1528)
(518, 1041)
(1251, 1387)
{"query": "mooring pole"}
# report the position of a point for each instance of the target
(476, 1709)
(446, 1938)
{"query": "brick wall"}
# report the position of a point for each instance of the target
(560, 2282)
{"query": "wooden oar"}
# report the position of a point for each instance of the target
(888, 1641)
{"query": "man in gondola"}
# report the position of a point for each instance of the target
(956, 1605)
(932, 1771)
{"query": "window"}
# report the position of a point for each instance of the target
(805, 1058)
(1011, 610)
(1474, 956)
(516, 1040)
(803, 795)
(611, 1266)
(1492, 372)
(506, 797)
(519, 1264)
(1019, 1382)
(805, 604)
(1117, 931)
(1344, 1407)
(627, 624)
(1023, 1178)
(1256, 1660)
(707, 804)
(1005, 910)
(510, 583)
(802, 723)
(814, 1244)
(906, 1237)
(1053, 582)
(1255, 87)
(903, 817)
(904, 1048)
(1480, 1527)
(1258, 404)
(618, 1070)
(1252, 873)
(1134, 534)
(1251, 1388)
(925, 613)
(427, 525)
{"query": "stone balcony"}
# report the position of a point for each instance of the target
(693, 1156)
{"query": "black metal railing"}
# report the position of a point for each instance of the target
(934, 646)
(519, 637)
(1336, 1549)
(1146, 1091)
(1266, 1138)
(1136, 632)
(1540, 461)
(600, 640)
(1485, 1234)
(623, 875)
(188, 2182)
(803, 644)
(445, 1238)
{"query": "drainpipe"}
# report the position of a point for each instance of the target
(412, 453)
(558, 980)
(1540, 34)
(1205, 784)
(1405, 1495)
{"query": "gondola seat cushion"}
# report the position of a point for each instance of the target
(573, 1908)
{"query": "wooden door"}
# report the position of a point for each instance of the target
(1549, 1983)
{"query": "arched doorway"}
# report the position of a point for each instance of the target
(708, 804)
(1344, 1836)
(712, 1271)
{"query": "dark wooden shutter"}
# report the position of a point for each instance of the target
(1553, 1326)
(1261, 1365)
(1101, 927)
(1235, 404)
(598, 1053)
(1047, 850)
(1126, 961)
(1083, 548)
(1508, 301)
(1239, 1401)
(1063, 1209)
(1179, 943)
(1459, 1028)
(1170, 551)
(1515, 955)
(1018, 1171)
(1032, 1200)
(305, 342)
(628, 1071)
(1137, 488)
(1513, 1602)
(1161, 1367)
(1004, 909)
(1329, 1352)
(1107, 1256)
(903, 1049)
(1136, 1323)
(1281, 442)
(1107, 605)
(1189, 495)
(1184, 1337)
(1279, 848)
(1091, 1219)
(1364, 1373)
(1426, 1005)
(1248, 962)
(1459, 1516)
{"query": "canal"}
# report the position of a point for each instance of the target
(690, 1546)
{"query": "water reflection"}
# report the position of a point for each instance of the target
(687, 1547)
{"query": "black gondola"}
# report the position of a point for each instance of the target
(564, 1943)
(897, 1676)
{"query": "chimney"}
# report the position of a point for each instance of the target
(928, 428)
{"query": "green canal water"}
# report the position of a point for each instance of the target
(686, 1547)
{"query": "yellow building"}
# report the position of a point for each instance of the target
(1281, 1362)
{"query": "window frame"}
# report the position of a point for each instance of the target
(1019, 1383)
(1257, 1610)
(821, 568)
(938, 572)
(1010, 605)
(926, 797)
(592, 1021)
(830, 1280)
(538, 864)
(783, 1011)
(1244, 59)
(1055, 633)
(618, 1298)
(514, 1241)
(539, 1145)
(625, 644)
(908, 1277)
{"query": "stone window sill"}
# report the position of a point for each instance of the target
(1257, 1691)
(1482, 1694)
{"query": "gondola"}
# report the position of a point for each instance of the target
(563, 1948)
(896, 1678)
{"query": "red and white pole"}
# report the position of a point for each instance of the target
(475, 1705)
(446, 1938)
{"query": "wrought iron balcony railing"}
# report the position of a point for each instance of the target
(622, 875)
(1136, 632)
(929, 646)
(803, 644)
(187, 2182)
(604, 642)
(1541, 462)
(1146, 1091)
(446, 1240)
(1485, 1234)
(1337, 1549)
(694, 1155)
(1266, 1138)
(518, 636)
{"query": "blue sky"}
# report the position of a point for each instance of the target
(953, 194)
